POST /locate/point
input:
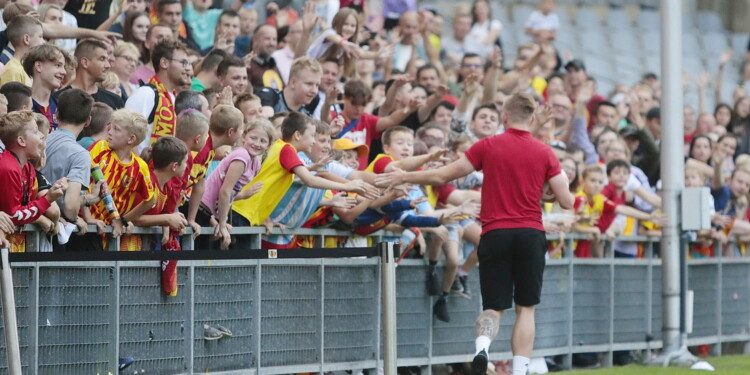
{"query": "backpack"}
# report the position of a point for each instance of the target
(156, 100)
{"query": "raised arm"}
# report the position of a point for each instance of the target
(493, 75)
(398, 116)
(440, 176)
(718, 86)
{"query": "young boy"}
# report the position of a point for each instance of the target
(249, 105)
(398, 144)
(66, 158)
(23, 142)
(305, 200)
(360, 127)
(598, 213)
(224, 129)
(622, 189)
(97, 129)
(126, 174)
(168, 162)
(278, 171)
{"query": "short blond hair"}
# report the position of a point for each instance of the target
(133, 122)
(123, 47)
(42, 123)
(12, 126)
(302, 63)
(190, 123)
(110, 80)
(225, 117)
(519, 108)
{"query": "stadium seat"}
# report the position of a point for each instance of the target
(618, 19)
(690, 45)
(562, 14)
(648, 20)
(651, 40)
(595, 40)
(566, 38)
(692, 65)
(624, 41)
(653, 63)
(500, 13)
(714, 43)
(521, 13)
(599, 65)
(709, 21)
(627, 75)
(588, 18)
(629, 61)
(739, 44)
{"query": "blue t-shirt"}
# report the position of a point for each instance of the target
(202, 25)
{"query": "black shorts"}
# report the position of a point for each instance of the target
(511, 267)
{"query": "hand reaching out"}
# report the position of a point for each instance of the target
(309, 16)
(725, 57)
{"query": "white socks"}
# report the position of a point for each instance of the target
(482, 343)
(520, 365)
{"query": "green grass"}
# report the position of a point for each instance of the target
(728, 365)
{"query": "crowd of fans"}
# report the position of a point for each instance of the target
(264, 113)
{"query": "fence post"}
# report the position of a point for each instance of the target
(9, 317)
(388, 262)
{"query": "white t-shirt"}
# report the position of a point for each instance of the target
(474, 41)
(539, 21)
(142, 101)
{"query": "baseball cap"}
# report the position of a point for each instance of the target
(628, 131)
(575, 64)
(653, 113)
(347, 144)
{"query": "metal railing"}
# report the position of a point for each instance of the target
(316, 315)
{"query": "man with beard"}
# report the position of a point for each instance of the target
(93, 64)
(262, 70)
(156, 100)
(304, 79)
(46, 65)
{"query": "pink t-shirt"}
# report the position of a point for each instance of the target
(143, 73)
(216, 179)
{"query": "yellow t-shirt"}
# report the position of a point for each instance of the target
(13, 72)
(277, 176)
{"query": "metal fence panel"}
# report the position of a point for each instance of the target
(152, 324)
(314, 307)
(350, 313)
(74, 312)
(703, 280)
(631, 303)
(591, 297)
(457, 336)
(23, 289)
(290, 315)
(224, 296)
(735, 304)
(413, 310)
(552, 314)
(656, 302)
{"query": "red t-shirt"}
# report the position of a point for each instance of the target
(363, 133)
(289, 159)
(443, 192)
(610, 192)
(515, 166)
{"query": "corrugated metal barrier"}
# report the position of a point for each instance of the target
(316, 315)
